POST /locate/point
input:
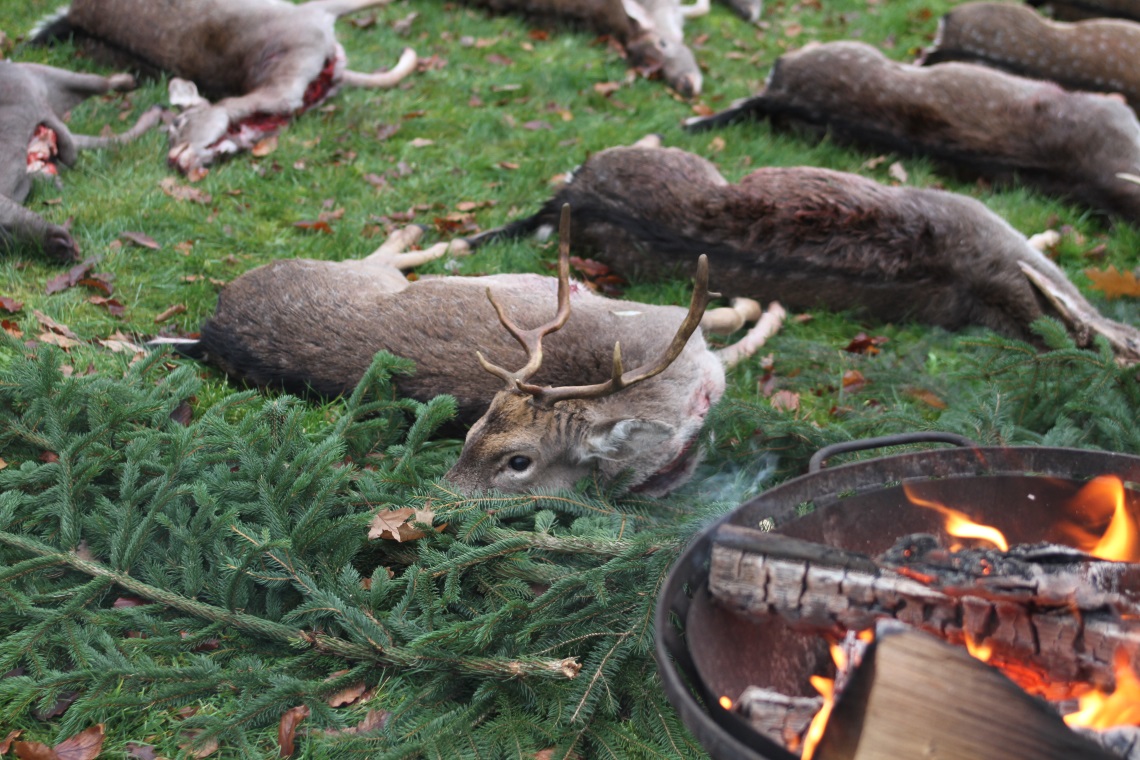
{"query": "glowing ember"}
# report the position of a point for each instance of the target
(978, 651)
(725, 702)
(1120, 708)
(1099, 499)
(958, 524)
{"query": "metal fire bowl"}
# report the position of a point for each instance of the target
(704, 651)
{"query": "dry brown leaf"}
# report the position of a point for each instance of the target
(347, 695)
(508, 165)
(11, 328)
(50, 324)
(34, 751)
(198, 749)
(421, 142)
(71, 277)
(387, 524)
(56, 339)
(537, 124)
(86, 745)
(110, 304)
(141, 751)
(4, 744)
(606, 88)
(717, 144)
(926, 397)
(1113, 283)
(374, 720)
(12, 735)
(288, 728)
(180, 192)
(785, 401)
(874, 163)
(853, 380)
(865, 344)
(177, 308)
(700, 109)
(118, 343)
(10, 305)
(319, 225)
(264, 146)
(140, 239)
(384, 131)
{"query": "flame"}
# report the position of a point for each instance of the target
(725, 702)
(1099, 709)
(1121, 539)
(979, 651)
(957, 523)
(826, 689)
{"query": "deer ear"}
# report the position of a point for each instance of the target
(638, 15)
(620, 439)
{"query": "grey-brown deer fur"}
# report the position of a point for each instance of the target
(813, 237)
(305, 324)
(259, 56)
(32, 95)
(1100, 55)
(1077, 10)
(968, 116)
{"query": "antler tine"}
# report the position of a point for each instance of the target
(619, 378)
(531, 340)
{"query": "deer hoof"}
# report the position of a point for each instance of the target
(59, 245)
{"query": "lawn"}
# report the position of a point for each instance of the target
(186, 562)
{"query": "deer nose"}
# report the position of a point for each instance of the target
(688, 85)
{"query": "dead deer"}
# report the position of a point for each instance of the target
(812, 237)
(1097, 55)
(650, 30)
(34, 139)
(969, 117)
(1075, 10)
(268, 60)
(315, 325)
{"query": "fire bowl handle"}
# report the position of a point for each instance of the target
(821, 456)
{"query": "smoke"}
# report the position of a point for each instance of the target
(736, 480)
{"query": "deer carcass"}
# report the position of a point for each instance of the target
(34, 139)
(1075, 10)
(1099, 55)
(970, 117)
(812, 237)
(315, 325)
(650, 30)
(268, 60)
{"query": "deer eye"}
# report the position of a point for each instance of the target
(519, 463)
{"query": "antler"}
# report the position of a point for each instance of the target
(531, 340)
(621, 379)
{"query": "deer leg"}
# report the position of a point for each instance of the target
(728, 319)
(18, 224)
(755, 338)
(384, 79)
(392, 251)
(651, 140)
(67, 89)
(699, 8)
(150, 118)
(343, 7)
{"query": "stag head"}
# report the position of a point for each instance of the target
(541, 437)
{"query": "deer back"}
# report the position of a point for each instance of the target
(808, 237)
(970, 117)
(1096, 55)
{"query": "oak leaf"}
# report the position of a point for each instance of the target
(10, 305)
(288, 728)
(785, 401)
(1114, 283)
(86, 745)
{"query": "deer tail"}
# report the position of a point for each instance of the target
(52, 27)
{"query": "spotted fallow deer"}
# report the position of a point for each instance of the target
(268, 60)
(33, 140)
(1099, 55)
(571, 408)
(969, 117)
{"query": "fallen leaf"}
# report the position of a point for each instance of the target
(387, 524)
(12, 735)
(785, 401)
(66, 698)
(897, 172)
(700, 109)
(432, 63)
(926, 397)
(118, 343)
(184, 247)
(466, 206)
(500, 59)
(100, 281)
(717, 144)
(538, 35)
(872, 163)
(10, 305)
(50, 324)
(11, 328)
(183, 413)
(508, 165)
(1113, 283)
(373, 721)
(853, 380)
(198, 749)
(140, 239)
(607, 88)
(124, 602)
(141, 751)
(264, 146)
(319, 226)
(384, 131)
(4, 744)
(347, 695)
(71, 277)
(177, 308)
(404, 25)
(34, 751)
(536, 125)
(110, 304)
(86, 745)
(56, 339)
(180, 192)
(415, 114)
(421, 142)
(288, 727)
(864, 344)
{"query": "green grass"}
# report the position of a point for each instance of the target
(323, 158)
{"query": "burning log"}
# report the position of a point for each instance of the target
(1053, 617)
(913, 696)
(781, 718)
